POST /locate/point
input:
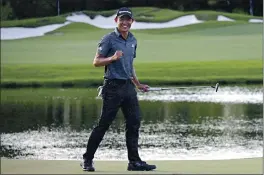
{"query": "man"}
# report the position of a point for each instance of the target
(116, 51)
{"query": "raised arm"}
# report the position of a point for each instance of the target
(101, 57)
(100, 60)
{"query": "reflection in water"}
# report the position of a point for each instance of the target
(56, 125)
(223, 95)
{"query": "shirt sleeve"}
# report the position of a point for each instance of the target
(104, 46)
(135, 52)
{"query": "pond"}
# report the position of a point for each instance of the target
(177, 124)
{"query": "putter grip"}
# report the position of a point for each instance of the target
(157, 89)
(154, 89)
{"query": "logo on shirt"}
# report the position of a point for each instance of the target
(133, 45)
(100, 48)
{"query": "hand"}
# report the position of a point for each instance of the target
(143, 87)
(117, 55)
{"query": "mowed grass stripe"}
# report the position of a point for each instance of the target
(246, 71)
(237, 166)
(78, 45)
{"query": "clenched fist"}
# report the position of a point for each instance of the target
(117, 55)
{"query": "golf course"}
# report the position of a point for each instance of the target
(228, 52)
(209, 52)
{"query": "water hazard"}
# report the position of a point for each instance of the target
(178, 124)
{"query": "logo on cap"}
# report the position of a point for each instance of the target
(125, 12)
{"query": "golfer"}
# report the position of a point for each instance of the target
(117, 51)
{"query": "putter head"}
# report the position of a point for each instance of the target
(216, 87)
(99, 89)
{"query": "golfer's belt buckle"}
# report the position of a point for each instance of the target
(99, 89)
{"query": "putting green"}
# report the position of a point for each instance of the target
(213, 51)
(236, 166)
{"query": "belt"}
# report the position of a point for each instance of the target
(118, 81)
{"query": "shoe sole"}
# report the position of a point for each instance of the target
(86, 169)
(149, 169)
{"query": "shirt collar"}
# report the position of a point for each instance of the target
(119, 34)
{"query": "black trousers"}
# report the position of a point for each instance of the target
(117, 94)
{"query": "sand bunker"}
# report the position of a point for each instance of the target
(109, 23)
(223, 18)
(102, 22)
(22, 32)
(256, 20)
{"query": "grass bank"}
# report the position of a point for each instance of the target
(34, 22)
(236, 166)
(158, 74)
(142, 14)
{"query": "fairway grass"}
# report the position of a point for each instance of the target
(78, 42)
(163, 73)
(236, 166)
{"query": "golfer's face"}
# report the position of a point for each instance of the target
(124, 23)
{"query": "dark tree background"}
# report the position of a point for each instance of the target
(20, 9)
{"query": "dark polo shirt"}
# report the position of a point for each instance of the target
(110, 43)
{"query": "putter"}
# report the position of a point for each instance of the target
(99, 89)
(162, 89)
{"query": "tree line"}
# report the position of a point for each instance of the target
(21, 9)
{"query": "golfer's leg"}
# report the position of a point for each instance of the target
(131, 111)
(109, 110)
